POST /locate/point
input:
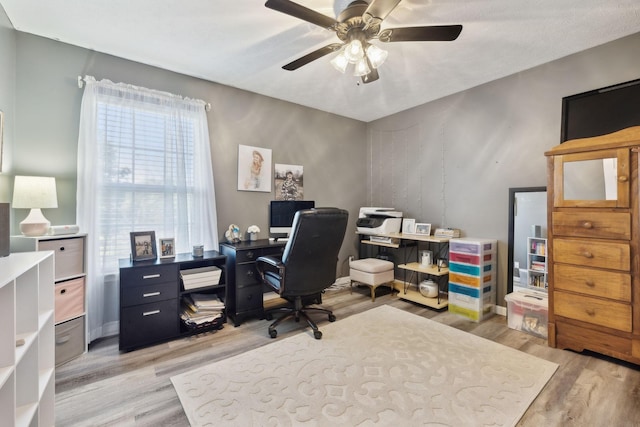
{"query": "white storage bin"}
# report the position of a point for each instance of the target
(528, 312)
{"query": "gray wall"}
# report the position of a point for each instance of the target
(451, 162)
(7, 97)
(46, 132)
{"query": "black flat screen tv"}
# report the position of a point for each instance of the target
(281, 214)
(600, 111)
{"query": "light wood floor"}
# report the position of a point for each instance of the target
(107, 388)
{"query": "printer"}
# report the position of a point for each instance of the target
(372, 220)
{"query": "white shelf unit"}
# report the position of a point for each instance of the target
(27, 380)
(70, 267)
(537, 263)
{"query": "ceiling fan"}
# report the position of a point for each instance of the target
(356, 26)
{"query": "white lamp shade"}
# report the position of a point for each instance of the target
(376, 55)
(362, 68)
(340, 62)
(354, 51)
(34, 192)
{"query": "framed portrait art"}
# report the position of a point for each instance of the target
(143, 245)
(423, 229)
(254, 168)
(167, 247)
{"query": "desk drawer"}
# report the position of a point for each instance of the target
(247, 275)
(601, 225)
(69, 299)
(137, 295)
(250, 255)
(591, 281)
(69, 256)
(148, 323)
(615, 315)
(153, 274)
(249, 298)
(592, 253)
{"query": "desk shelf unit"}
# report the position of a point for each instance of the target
(406, 288)
(151, 294)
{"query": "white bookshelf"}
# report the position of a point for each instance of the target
(27, 315)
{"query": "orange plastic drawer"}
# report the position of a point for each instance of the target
(69, 299)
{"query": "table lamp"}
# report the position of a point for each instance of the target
(35, 193)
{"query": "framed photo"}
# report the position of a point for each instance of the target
(408, 226)
(143, 245)
(288, 181)
(422, 228)
(167, 247)
(254, 168)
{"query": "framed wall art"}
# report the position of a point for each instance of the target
(167, 247)
(254, 169)
(408, 226)
(423, 229)
(288, 182)
(143, 245)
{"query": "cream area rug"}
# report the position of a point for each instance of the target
(382, 367)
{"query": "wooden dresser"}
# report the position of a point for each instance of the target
(593, 250)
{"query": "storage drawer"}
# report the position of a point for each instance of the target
(472, 270)
(592, 253)
(470, 292)
(601, 225)
(471, 247)
(249, 298)
(69, 340)
(69, 299)
(247, 275)
(591, 281)
(615, 315)
(69, 256)
(470, 259)
(137, 295)
(153, 274)
(475, 281)
(148, 323)
(250, 255)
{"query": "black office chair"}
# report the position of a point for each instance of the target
(308, 265)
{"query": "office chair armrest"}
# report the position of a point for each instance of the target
(269, 263)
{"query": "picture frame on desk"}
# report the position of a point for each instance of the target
(423, 229)
(408, 225)
(143, 245)
(167, 247)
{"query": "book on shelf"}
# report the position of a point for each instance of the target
(201, 308)
(195, 278)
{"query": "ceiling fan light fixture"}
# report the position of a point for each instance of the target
(354, 51)
(340, 62)
(376, 55)
(362, 68)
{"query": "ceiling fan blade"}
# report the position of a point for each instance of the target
(378, 10)
(371, 77)
(312, 56)
(301, 12)
(442, 33)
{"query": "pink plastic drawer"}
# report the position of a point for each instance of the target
(69, 299)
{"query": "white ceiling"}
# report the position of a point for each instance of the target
(243, 44)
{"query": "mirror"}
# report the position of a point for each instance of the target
(527, 209)
(590, 180)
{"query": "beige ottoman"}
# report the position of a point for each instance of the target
(372, 272)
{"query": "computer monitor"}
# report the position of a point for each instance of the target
(281, 214)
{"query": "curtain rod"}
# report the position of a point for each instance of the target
(207, 105)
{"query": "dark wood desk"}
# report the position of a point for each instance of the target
(244, 288)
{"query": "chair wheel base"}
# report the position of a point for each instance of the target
(317, 334)
(332, 318)
(273, 333)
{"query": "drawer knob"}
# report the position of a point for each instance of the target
(591, 312)
(150, 294)
(63, 291)
(587, 254)
(587, 225)
(151, 276)
(61, 248)
(590, 284)
(150, 313)
(623, 178)
(250, 255)
(250, 273)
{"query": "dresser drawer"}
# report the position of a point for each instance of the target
(153, 274)
(137, 295)
(69, 299)
(591, 281)
(602, 225)
(69, 256)
(148, 323)
(592, 253)
(615, 315)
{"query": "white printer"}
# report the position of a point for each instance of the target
(372, 220)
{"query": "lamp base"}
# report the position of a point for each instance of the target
(35, 224)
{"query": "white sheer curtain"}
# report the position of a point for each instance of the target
(144, 164)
